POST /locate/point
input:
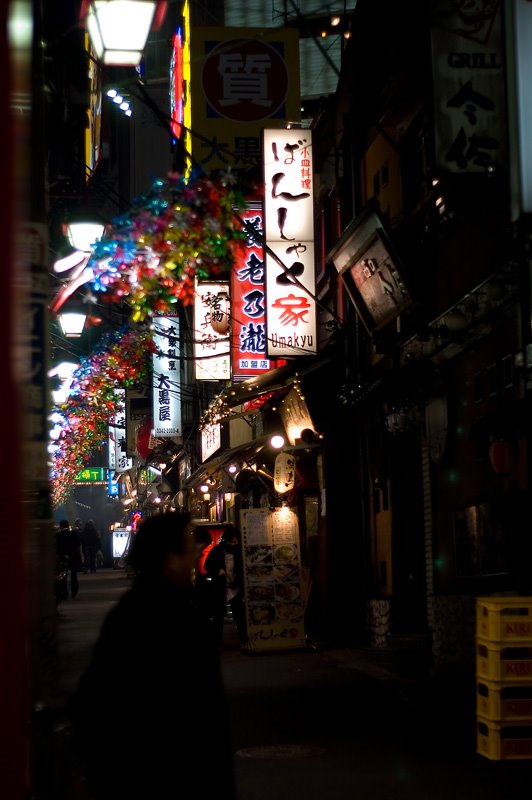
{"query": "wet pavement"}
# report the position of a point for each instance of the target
(321, 723)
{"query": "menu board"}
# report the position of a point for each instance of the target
(272, 579)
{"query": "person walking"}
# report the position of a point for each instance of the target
(91, 543)
(224, 565)
(78, 527)
(69, 549)
(154, 686)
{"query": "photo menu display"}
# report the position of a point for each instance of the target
(272, 571)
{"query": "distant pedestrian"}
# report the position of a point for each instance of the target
(61, 568)
(69, 549)
(224, 565)
(153, 689)
(91, 543)
(78, 527)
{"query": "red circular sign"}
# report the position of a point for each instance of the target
(245, 80)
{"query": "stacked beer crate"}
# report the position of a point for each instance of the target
(504, 677)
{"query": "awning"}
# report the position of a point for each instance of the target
(272, 381)
(247, 452)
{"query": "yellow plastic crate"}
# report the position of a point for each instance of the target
(502, 619)
(497, 662)
(502, 702)
(500, 741)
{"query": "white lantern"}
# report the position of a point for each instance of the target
(118, 29)
(72, 323)
(84, 235)
(284, 473)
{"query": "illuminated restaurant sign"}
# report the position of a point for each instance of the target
(211, 332)
(211, 440)
(248, 315)
(166, 379)
(92, 475)
(118, 458)
(289, 234)
(176, 85)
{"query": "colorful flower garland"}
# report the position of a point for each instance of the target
(120, 360)
(180, 229)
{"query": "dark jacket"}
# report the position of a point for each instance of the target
(68, 547)
(215, 562)
(90, 536)
(151, 703)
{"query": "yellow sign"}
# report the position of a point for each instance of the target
(242, 80)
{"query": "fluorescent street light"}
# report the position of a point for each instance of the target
(118, 29)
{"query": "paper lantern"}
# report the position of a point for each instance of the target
(284, 473)
(144, 439)
(503, 457)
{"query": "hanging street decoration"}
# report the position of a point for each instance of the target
(120, 360)
(178, 231)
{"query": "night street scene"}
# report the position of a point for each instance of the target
(267, 368)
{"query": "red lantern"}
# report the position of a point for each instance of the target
(503, 456)
(144, 438)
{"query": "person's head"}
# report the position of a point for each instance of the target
(64, 524)
(230, 537)
(164, 547)
(77, 523)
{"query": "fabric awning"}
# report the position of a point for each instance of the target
(247, 452)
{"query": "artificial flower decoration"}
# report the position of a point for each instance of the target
(121, 360)
(181, 229)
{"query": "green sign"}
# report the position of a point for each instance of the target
(91, 475)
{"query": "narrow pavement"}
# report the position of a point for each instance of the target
(306, 725)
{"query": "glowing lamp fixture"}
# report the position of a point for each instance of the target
(204, 488)
(84, 235)
(277, 441)
(72, 323)
(118, 29)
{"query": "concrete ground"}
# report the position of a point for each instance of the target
(326, 724)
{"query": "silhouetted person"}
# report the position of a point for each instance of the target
(149, 715)
(69, 548)
(61, 569)
(224, 565)
(202, 583)
(91, 543)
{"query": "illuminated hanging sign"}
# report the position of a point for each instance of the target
(92, 475)
(112, 485)
(166, 379)
(111, 448)
(177, 85)
(289, 234)
(211, 331)
(248, 313)
(211, 440)
(117, 435)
